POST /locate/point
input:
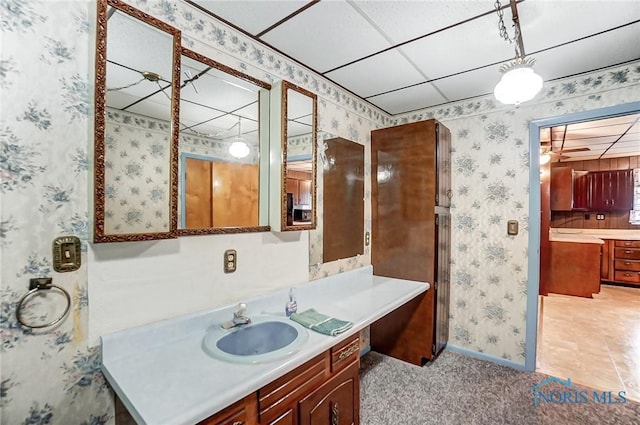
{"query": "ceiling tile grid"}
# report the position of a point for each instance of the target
(358, 44)
(327, 35)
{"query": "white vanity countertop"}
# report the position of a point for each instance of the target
(164, 377)
(591, 235)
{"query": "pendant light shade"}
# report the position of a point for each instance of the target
(518, 84)
(239, 148)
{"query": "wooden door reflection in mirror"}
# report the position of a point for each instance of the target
(223, 141)
(135, 187)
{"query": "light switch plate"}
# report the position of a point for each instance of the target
(512, 227)
(66, 254)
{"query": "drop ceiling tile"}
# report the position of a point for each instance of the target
(252, 16)
(156, 106)
(372, 76)
(469, 84)
(405, 20)
(467, 46)
(326, 35)
(140, 46)
(408, 99)
(596, 52)
(546, 23)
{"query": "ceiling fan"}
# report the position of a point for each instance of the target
(546, 146)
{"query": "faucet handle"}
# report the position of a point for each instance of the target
(241, 310)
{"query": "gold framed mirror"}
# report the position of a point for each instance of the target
(137, 100)
(223, 149)
(297, 185)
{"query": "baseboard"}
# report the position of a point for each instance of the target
(487, 357)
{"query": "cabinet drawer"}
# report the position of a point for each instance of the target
(629, 265)
(275, 398)
(628, 253)
(344, 353)
(624, 276)
(628, 244)
(243, 412)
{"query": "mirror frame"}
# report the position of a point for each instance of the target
(99, 235)
(225, 230)
(314, 140)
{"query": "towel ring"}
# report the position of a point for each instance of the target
(35, 287)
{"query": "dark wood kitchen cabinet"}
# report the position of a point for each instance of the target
(244, 412)
(569, 189)
(611, 190)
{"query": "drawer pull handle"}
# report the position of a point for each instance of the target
(335, 414)
(238, 423)
(627, 263)
(628, 274)
(349, 351)
(628, 251)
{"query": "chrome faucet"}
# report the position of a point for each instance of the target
(239, 318)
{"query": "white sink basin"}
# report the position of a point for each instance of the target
(267, 338)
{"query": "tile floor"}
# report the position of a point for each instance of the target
(595, 342)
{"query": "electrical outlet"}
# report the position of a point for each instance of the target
(599, 216)
(230, 260)
(587, 216)
(367, 239)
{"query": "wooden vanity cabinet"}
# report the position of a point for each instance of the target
(324, 382)
(244, 412)
(336, 402)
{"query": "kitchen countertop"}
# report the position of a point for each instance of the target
(163, 376)
(591, 235)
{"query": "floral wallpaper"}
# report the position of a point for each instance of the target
(50, 376)
(137, 164)
(490, 183)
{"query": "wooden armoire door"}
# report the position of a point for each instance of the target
(404, 191)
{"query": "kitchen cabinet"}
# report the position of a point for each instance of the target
(626, 262)
(569, 189)
(411, 231)
(300, 188)
(575, 268)
(611, 190)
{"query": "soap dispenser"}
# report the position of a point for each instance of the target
(292, 305)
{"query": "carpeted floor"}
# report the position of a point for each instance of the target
(461, 390)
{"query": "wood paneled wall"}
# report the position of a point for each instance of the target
(613, 219)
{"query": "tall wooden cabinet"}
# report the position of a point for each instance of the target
(411, 235)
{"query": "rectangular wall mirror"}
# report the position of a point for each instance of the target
(137, 95)
(342, 171)
(296, 180)
(224, 138)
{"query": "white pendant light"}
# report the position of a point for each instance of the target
(519, 83)
(239, 148)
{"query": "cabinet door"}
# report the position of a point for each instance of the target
(621, 190)
(336, 402)
(599, 184)
(244, 412)
(292, 187)
(304, 192)
(580, 190)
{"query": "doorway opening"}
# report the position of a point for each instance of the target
(565, 319)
